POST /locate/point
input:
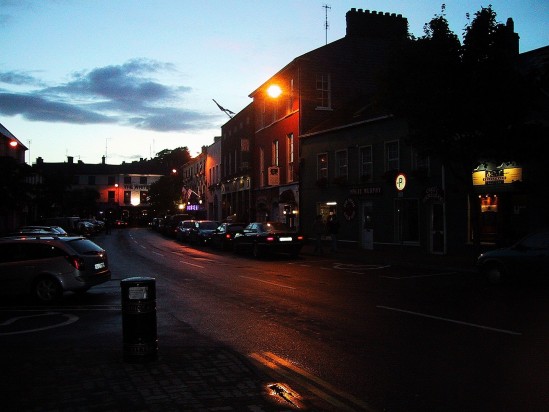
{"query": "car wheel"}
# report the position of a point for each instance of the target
(493, 274)
(47, 289)
(256, 251)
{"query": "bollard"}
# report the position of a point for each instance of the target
(140, 340)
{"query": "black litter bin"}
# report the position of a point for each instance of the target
(140, 340)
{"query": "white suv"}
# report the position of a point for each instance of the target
(46, 267)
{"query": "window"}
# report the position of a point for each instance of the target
(341, 163)
(420, 162)
(275, 153)
(290, 157)
(323, 91)
(143, 196)
(91, 180)
(142, 180)
(127, 197)
(127, 180)
(391, 156)
(322, 165)
(366, 164)
(261, 167)
(111, 181)
(111, 196)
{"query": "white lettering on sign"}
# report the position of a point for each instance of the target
(138, 292)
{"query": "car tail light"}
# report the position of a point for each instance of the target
(76, 261)
(228, 236)
(270, 239)
(300, 238)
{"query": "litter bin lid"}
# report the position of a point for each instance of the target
(138, 280)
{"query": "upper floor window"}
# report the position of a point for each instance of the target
(366, 164)
(322, 165)
(341, 163)
(127, 180)
(323, 89)
(275, 153)
(392, 161)
(111, 180)
(291, 157)
(91, 180)
(142, 180)
(261, 167)
(420, 162)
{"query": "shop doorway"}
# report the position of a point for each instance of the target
(438, 238)
(367, 231)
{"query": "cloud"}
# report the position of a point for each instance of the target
(126, 94)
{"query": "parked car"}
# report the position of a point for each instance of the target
(526, 258)
(223, 236)
(120, 224)
(40, 230)
(47, 266)
(171, 222)
(201, 230)
(183, 229)
(268, 237)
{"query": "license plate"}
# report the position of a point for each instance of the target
(285, 239)
(100, 265)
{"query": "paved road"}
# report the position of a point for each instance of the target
(357, 331)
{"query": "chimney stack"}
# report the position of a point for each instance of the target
(373, 24)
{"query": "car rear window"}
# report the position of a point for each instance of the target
(84, 246)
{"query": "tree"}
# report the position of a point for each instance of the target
(464, 103)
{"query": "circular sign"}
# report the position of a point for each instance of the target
(349, 209)
(400, 181)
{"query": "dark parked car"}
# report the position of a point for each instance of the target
(47, 266)
(526, 258)
(223, 236)
(171, 222)
(40, 230)
(268, 237)
(183, 230)
(201, 230)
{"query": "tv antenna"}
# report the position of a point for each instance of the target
(326, 24)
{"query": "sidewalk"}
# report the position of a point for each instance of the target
(394, 256)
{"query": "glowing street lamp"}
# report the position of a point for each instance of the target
(13, 143)
(274, 91)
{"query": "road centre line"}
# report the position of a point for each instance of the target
(311, 382)
(270, 283)
(156, 253)
(192, 264)
(459, 322)
(419, 276)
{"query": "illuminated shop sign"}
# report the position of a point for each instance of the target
(497, 176)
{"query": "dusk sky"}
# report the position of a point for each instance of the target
(128, 78)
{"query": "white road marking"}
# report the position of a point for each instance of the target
(270, 283)
(419, 276)
(191, 264)
(459, 322)
(70, 319)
